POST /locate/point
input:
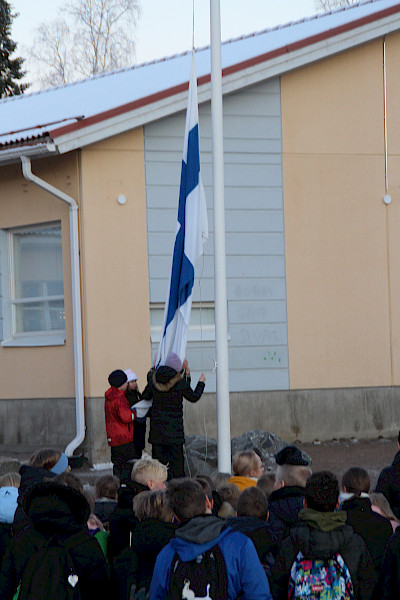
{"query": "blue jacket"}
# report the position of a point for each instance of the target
(244, 570)
(8, 504)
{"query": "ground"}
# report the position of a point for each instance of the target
(339, 455)
(336, 456)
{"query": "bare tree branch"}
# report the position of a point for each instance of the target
(89, 37)
(327, 5)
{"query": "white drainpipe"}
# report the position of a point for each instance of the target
(76, 299)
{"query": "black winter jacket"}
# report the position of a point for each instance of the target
(374, 529)
(61, 512)
(123, 520)
(168, 388)
(322, 535)
(30, 476)
(135, 565)
(284, 507)
(389, 484)
(388, 587)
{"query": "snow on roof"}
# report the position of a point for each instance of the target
(31, 116)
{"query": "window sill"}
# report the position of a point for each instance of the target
(35, 340)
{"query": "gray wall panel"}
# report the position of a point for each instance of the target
(255, 246)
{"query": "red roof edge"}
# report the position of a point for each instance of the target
(108, 114)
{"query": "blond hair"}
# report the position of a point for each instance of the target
(10, 480)
(149, 468)
(293, 475)
(152, 505)
(244, 462)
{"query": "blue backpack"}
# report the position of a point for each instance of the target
(320, 579)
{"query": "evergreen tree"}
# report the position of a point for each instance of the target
(10, 69)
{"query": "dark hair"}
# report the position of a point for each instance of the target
(186, 498)
(203, 481)
(356, 480)
(107, 487)
(229, 492)
(45, 458)
(322, 491)
(266, 482)
(253, 503)
(398, 438)
(69, 480)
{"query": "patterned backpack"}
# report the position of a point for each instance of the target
(320, 579)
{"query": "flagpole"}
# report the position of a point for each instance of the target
(221, 320)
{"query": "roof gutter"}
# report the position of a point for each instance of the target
(76, 298)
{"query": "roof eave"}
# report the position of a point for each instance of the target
(13, 154)
(234, 78)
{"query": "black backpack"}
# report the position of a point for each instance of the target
(201, 578)
(50, 574)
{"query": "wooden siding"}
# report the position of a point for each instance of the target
(256, 290)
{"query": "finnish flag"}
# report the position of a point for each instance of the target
(191, 233)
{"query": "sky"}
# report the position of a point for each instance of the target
(165, 26)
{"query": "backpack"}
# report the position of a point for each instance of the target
(49, 573)
(203, 578)
(319, 579)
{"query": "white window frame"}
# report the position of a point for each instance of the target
(196, 333)
(12, 338)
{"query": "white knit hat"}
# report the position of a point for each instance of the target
(130, 375)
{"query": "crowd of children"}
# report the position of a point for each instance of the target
(289, 533)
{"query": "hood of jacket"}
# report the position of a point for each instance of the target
(30, 476)
(198, 535)
(286, 503)
(56, 509)
(321, 534)
(8, 503)
(165, 378)
(114, 393)
(363, 504)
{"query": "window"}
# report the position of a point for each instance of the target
(202, 322)
(33, 305)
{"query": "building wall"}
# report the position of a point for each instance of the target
(39, 372)
(258, 355)
(114, 265)
(339, 320)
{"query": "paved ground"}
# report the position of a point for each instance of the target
(336, 456)
(339, 455)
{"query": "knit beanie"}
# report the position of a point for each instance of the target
(174, 362)
(117, 378)
(290, 455)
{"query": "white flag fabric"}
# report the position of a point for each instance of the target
(191, 233)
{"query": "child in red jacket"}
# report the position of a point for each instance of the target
(119, 425)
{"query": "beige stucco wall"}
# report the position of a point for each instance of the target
(114, 260)
(339, 322)
(40, 372)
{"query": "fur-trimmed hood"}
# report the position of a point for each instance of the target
(165, 378)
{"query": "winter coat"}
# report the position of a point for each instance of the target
(389, 484)
(168, 388)
(242, 482)
(57, 511)
(388, 587)
(260, 534)
(284, 507)
(320, 536)
(118, 416)
(123, 520)
(135, 565)
(5, 538)
(30, 476)
(374, 529)
(244, 570)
